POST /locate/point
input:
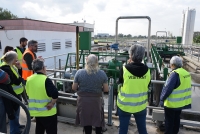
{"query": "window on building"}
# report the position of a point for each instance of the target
(68, 43)
(56, 45)
(41, 47)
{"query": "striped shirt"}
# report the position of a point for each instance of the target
(4, 77)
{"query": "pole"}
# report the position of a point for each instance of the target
(60, 66)
(110, 103)
(77, 48)
(135, 17)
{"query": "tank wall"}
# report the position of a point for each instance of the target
(189, 27)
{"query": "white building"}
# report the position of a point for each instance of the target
(187, 27)
(53, 38)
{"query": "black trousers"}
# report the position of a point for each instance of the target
(48, 124)
(88, 130)
(172, 121)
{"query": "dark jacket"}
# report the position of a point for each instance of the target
(172, 83)
(137, 69)
(10, 106)
(29, 59)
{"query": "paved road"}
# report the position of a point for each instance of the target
(65, 128)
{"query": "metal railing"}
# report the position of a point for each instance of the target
(110, 102)
(55, 61)
(193, 51)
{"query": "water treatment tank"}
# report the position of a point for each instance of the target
(188, 26)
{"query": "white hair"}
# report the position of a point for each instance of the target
(92, 64)
(176, 61)
(137, 52)
(9, 57)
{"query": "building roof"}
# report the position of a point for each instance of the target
(30, 24)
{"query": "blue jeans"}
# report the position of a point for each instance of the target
(14, 124)
(2, 117)
(140, 119)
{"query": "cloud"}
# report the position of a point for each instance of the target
(165, 15)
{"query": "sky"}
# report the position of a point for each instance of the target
(166, 15)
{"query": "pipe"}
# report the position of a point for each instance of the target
(163, 82)
(110, 103)
(77, 48)
(13, 98)
(66, 80)
(55, 70)
(136, 17)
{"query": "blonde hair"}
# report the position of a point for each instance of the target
(9, 57)
(92, 65)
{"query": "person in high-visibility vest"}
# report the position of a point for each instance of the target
(132, 96)
(175, 95)
(20, 50)
(42, 98)
(27, 58)
(9, 65)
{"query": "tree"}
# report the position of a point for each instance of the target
(120, 35)
(5, 14)
(197, 39)
(129, 35)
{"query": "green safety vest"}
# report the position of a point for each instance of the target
(181, 96)
(132, 96)
(38, 98)
(18, 89)
(19, 54)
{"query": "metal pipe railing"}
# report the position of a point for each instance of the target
(135, 17)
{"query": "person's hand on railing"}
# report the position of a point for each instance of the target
(161, 104)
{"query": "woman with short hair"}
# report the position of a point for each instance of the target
(90, 82)
(132, 97)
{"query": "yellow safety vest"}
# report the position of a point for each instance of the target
(38, 98)
(132, 96)
(181, 96)
(18, 89)
(19, 54)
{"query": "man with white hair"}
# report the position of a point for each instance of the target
(176, 95)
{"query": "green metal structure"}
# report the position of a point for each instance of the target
(166, 50)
